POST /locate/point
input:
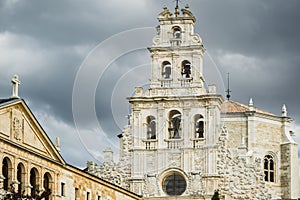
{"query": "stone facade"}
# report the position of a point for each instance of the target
(184, 141)
(29, 161)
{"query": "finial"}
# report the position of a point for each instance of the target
(187, 6)
(15, 82)
(251, 108)
(284, 111)
(177, 9)
(57, 144)
(177, 1)
(228, 89)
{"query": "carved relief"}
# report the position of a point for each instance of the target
(151, 185)
(17, 124)
(174, 160)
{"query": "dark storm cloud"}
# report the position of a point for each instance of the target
(46, 41)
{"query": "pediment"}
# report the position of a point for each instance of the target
(19, 126)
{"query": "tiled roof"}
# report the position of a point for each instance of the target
(229, 106)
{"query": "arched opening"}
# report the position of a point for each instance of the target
(174, 184)
(46, 185)
(34, 177)
(151, 127)
(174, 124)
(166, 70)
(186, 69)
(7, 173)
(21, 178)
(176, 32)
(269, 168)
(199, 126)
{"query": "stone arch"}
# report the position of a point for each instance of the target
(174, 122)
(151, 127)
(177, 32)
(7, 173)
(199, 126)
(166, 69)
(186, 69)
(21, 172)
(34, 181)
(47, 184)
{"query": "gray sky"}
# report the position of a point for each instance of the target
(47, 42)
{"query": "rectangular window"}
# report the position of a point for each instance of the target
(62, 189)
(76, 193)
(87, 195)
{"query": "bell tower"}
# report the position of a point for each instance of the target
(169, 147)
(177, 54)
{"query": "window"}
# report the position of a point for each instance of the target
(269, 168)
(21, 177)
(6, 172)
(174, 124)
(186, 69)
(76, 193)
(87, 195)
(199, 126)
(166, 70)
(34, 181)
(176, 32)
(46, 184)
(174, 184)
(151, 127)
(62, 189)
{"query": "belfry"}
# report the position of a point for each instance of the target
(184, 141)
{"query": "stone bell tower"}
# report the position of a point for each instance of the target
(169, 147)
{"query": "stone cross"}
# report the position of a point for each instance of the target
(16, 82)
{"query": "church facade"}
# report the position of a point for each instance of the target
(184, 141)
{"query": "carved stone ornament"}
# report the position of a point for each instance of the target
(17, 128)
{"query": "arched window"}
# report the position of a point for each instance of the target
(176, 32)
(21, 178)
(269, 168)
(199, 126)
(151, 127)
(176, 40)
(186, 69)
(166, 70)
(34, 177)
(174, 124)
(7, 173)
(46, 185)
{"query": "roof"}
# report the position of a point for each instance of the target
(229, 106)
(8, 100)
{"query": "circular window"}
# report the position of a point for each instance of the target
(174, 184)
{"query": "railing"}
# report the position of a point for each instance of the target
(150, 143)
(186, 82)
(166, 82)
(198, 142)
(175, 42)
(174, 143)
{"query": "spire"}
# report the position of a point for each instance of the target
(15, 82)
(228, 89)
(251, 107)
(284, 111)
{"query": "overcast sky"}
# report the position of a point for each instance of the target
(51, 44)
